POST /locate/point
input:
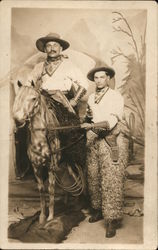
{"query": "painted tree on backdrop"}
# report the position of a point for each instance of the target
(133, 87)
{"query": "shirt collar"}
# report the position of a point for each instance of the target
(102, 90)
(99, 94)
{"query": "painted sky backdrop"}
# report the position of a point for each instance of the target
(88, 31)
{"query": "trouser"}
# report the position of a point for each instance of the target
(106, 178)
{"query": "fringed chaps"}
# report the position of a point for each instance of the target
(106, 179)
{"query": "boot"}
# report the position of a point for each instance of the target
(96, 216)
(111, 227)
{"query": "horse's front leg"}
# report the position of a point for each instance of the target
(51, 189)
(41, 188)
(51, 177)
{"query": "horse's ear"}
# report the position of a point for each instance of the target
(19, 83)
(32, 84)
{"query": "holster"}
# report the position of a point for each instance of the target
(112, 142)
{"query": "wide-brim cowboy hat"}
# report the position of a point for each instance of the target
(109, 71)
(41, 42)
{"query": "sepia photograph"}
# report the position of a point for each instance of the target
(78, 100)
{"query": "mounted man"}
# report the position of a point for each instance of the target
(58, 72)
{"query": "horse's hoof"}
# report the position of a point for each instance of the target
(54, 223)
(42, 219)
(50, 217)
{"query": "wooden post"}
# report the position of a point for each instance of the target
(12, 150)
(131, 142)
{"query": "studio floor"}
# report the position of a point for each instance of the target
(24, 202)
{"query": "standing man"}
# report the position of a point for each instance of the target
(107, 151)
(57, 72)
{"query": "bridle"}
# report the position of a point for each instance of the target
(33, 111)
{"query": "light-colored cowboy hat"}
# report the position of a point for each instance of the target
(109, 71)
(41, 42)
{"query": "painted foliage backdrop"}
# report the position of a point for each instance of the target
(116, 38)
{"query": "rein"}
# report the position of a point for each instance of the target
(68, 146)
(62, 148)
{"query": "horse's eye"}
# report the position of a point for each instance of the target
(34, 99)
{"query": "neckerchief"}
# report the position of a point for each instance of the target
(99, 94)
(51, 66)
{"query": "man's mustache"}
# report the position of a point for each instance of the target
(53, 51)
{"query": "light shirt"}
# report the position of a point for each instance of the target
(108, 109)
(65, 75)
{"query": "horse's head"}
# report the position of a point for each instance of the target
(26, 104)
